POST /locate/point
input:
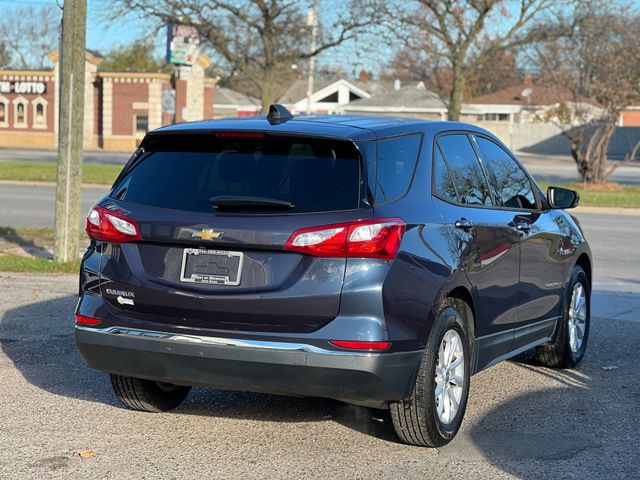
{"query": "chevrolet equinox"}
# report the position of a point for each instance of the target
(373, 260)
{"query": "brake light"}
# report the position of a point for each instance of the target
(82, 320)
(378, 238)
(104, 224)
(357, 345)
(239, 135)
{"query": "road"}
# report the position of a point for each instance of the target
(27, 205)
(7, 154)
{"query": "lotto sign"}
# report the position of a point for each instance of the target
(26, 88)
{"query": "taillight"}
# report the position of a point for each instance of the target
(358, 345)
(104, 224)
(82, 320)
(378, 238)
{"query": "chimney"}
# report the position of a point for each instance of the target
(396, 84)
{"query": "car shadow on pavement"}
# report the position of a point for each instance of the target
(566, 417)
(39, 339)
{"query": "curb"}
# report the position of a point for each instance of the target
(608, 210)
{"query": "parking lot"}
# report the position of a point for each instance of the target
(523, 421)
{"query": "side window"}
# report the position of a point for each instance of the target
(510, 184)
(466, 171)
(442, 182)
(396, 162)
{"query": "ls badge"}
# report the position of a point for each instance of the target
(206, 234)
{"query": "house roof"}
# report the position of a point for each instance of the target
(298, 89)
(410, 97)
(226, 96)
(539, 95)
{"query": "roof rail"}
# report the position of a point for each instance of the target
(278, 114)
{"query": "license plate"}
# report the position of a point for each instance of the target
(215, 267)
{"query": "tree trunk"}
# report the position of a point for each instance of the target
(69, 174)
(589, 151)
(457, 92)
(266, 91)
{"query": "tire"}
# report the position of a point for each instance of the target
(416, 420)
(561, 352)
(147, 395)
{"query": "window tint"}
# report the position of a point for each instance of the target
(314, 175)
(442, 181)
(396, 162)
(465, 168)
(511, 186)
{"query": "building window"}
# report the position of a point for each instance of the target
(3, 112)
(496, 117)
(20, 112)
(40, 113)
(142, 124)
(20, 115)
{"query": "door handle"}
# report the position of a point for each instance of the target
(464, 224)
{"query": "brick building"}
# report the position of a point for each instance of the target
(120, 107)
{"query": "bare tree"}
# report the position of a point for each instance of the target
(599, 63)
(462, 35)
(260, 38)
(30, 33)
(498, 72)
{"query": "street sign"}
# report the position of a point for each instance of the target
(183, 44)
(169, 102)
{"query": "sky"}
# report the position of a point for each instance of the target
(104, 34)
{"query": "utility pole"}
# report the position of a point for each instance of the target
(313, 23)
(70, 130)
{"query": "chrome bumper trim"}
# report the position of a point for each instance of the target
(221, 341)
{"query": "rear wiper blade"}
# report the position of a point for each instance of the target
(243, 201)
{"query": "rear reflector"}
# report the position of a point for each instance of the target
(355, 345)
(378, 238)
(82, 320)
(104, 224)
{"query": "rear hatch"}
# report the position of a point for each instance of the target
(214, 212)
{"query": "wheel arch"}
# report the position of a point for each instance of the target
(584, 262)
(463, 294)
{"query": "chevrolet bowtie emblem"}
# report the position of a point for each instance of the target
(206, 234)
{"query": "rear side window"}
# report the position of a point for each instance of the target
(466, 171)
(184, 173)
(396, 163)
(442, 181)
(510, 184)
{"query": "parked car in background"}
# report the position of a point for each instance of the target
(378, 261)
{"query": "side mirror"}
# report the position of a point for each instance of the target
(562, 197)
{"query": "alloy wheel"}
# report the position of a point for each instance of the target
(450, 376)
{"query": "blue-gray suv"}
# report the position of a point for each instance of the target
(378, 261)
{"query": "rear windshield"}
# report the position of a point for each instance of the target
(314, 175)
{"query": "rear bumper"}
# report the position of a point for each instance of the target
(370, 379)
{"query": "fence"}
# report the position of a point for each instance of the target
(547, 139)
